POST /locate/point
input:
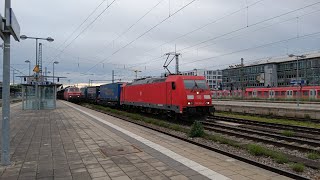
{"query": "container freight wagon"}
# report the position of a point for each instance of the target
(93, 94)
(83, 95)
(110, 94)
(60, 94)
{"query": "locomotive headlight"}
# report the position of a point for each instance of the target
(206, 97)
(208, 102)
(70, 96)
(189, 103)
(190, 96)
(197, 92)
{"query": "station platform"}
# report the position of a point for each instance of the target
(73, 142)
(268, 108)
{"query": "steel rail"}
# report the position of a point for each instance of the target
(265, 124)
(240, 158)
(261, 133)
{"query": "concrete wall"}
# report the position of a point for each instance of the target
(313, 114)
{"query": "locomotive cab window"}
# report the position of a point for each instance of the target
(195, 84)
(173, 85)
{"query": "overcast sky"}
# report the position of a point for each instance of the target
(135, 34)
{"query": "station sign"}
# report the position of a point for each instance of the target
(1, 27)
(12, 24)
(299, 82)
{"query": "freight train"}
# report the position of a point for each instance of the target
(174, 95)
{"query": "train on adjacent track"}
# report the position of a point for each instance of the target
(280, 93)
(178, 96)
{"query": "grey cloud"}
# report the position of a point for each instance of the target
(59, 18)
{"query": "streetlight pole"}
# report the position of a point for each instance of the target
(27, 61)
(37, 51)
(24, 37)
(298, 92)
(56, 62)
(13, 77)
(5, 154)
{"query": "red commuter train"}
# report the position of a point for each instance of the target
(176, 94)
(293, 92)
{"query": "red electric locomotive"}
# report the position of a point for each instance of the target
(72, 94)
(177, 94)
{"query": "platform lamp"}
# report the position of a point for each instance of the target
(297, 57)
(56, 62)
(27, 61)
(49, 39)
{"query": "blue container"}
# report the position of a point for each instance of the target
(110, 94)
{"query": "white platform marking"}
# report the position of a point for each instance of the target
(185, 161)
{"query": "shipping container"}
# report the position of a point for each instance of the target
(93, 94)
(110, 94)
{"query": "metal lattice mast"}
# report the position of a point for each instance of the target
(40, 59)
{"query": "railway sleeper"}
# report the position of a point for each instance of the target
(264, 140)
(280, 137)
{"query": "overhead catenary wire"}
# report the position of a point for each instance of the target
(137, 61)
(17, 70)
(246, 49)
(256, 47)
(259, 60)
(144, 33)
(264, 27)
(122, 34)
(84, 21)
(240, 29)
(245, 27)
(83, 30)
(135, 23)
(79, 58)
(205, 25)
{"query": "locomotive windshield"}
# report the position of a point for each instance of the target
(195, 84)
(74, 90)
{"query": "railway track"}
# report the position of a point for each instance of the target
(283, 117)
(259, 133)
(299, 129)
(203, 145)
(293, 143)
(304, 139)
